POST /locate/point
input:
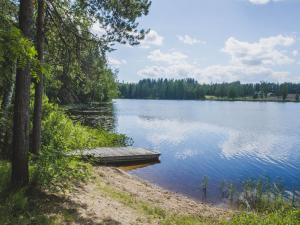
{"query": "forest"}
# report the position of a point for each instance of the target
(50, 57)
(48, 51)
(190, 89)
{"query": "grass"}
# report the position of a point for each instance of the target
(30, 206)
(151, 211)
(278, 217)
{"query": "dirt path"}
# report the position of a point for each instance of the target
(114, 197)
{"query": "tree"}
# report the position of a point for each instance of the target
(284, 91)
(297, 97)
(20, 173)
(232, 93)
(76, 56)
(37, 116)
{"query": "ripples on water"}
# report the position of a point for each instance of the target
(230, 141)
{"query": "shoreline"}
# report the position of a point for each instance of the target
(113, 194)
(212, 100)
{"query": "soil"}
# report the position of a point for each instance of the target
(114, 197)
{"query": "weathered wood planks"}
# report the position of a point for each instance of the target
(117, 155)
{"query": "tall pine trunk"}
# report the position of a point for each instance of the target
(20, 173)
(38, 98)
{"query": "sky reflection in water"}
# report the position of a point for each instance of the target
(230, 141)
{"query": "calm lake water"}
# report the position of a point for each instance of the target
(225, 141)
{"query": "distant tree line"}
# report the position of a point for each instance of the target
(190, 89)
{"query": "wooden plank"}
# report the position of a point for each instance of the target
(107, 155)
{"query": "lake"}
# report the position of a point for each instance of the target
(225, 141)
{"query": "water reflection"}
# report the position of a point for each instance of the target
(137, 166)
(233, 143)
(221, 140)
(98, 115)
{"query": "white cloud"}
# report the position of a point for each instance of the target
(215, 73)
(295, 52)
(262, 2)
(264, 52)
(259, 2)
(179, 70)
(186, 39)
(249, 62)
(169, 57)
(116, 62)
(152, 39)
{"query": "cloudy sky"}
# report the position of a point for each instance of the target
(216, 41)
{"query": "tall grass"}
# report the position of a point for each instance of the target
(261, 202)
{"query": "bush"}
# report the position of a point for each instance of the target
(278, 217)
(53, 168)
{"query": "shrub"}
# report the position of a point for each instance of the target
(278, 217)
(54, 168)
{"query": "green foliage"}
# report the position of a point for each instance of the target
(54, 168)
(284, 90)
(231, 93)
(15, 207)
(4, 175)
(76, 57)
(162, 89)
(15, 47)
(264, 196)
(278, 217)
(152, 211)
(297, 97)
(191, 89)
(118, 18)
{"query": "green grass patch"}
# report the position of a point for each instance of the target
(278, 217)
(152, 211)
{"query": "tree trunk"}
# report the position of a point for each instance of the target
(20, 173)
(38, 98)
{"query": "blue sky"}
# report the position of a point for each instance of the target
(216, 41)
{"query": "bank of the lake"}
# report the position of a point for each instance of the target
(289, 98)
(111, 196)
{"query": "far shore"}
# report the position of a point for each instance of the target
(213, 98)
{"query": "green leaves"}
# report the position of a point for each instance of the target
(290, 217)
(53, 168)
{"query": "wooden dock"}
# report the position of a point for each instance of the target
(119, 155)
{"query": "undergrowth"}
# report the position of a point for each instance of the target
(53, 170)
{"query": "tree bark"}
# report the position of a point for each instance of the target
(38, 98)
(20, 173)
